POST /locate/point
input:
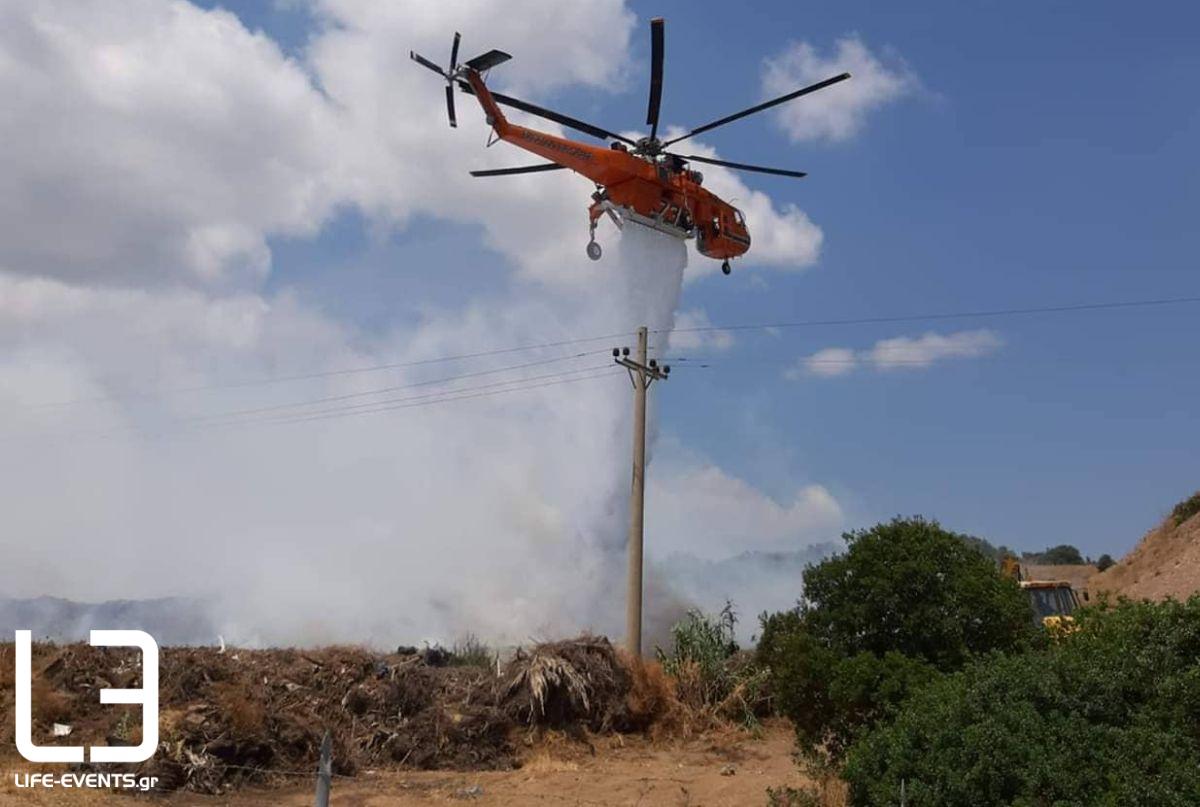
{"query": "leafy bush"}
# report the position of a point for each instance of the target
(1186, 509)
(1105, 562)
(1109, 715)
(831, 697)
(906, 602)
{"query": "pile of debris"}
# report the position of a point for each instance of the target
(230, 717)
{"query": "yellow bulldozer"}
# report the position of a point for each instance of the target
(1053, 601)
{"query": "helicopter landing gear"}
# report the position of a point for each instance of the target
(725, 267)
(593, 249)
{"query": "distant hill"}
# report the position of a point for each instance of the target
(171, 620)
(1165, 563)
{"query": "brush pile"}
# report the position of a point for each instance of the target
(242, 716)
(562, 684)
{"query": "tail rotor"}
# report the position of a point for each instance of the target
(450, 75)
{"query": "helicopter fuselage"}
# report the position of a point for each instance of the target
(648, 190)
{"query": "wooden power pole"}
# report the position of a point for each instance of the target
(642, 373)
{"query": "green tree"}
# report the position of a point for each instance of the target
(911, 587)
(906, 602)
(1061, 555)
(1105, 562)
(1109, 715)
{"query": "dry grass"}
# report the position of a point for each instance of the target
(245, 713)
(653, 703)
(49, 704)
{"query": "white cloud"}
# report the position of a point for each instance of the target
(152, 150)
(156, 143)
(584, 43)
(837, 112)
(403, 159)
(694, 331)
(203, 139)
(698, 509)
(898, 353)
(922, 351)
(832, 361)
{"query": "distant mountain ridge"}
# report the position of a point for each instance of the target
(753, 581)
(170, 620)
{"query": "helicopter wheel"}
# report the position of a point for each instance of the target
(593, 251)
(726, 268)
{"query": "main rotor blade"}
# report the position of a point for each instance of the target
(557, 117)
(421, 60)
(486, 61)
(783, 172)
(656, 74)
(450, 106)
(454, 51)
(820, 85)
(523, 169)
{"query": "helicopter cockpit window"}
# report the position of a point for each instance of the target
(737, 216)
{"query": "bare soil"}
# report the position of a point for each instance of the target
(240, 726)
(1165, 563)
(719, 767)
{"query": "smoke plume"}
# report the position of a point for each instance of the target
(503, 515)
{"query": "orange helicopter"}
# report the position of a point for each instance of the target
(636, 180)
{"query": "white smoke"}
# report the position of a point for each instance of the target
(133, 261)
(502, 515)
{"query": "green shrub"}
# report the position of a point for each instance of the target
(1110, 715)
(1186, 509)
(831, 697)
(906, 602)
(710, 671)
(786, 796)
(701, 648)
(1105, 562)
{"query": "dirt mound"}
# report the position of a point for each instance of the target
(240, 716)
(1165, 563)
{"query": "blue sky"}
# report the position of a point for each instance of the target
(1047, 158)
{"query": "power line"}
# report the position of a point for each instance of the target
(396, 388)
(435, 396)
(604, 371)
(334, 373)
(427, 399)
(986, 313)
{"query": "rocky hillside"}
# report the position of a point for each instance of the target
(1165, 563)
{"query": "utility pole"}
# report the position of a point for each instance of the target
(642, 374)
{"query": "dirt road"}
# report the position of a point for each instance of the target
(727, 769)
